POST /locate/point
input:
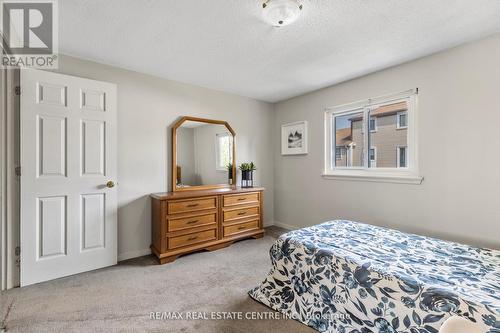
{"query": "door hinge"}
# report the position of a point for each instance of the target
(18, 171)
(17, 90)
(18, 251)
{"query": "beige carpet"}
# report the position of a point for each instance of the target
(120, 298)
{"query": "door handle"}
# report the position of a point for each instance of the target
(110, 184)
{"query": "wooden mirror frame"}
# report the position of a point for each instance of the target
(174, 155)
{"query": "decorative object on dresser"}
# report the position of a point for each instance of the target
(294, 138)
(247, 170)
(230, 174)
(203, 211)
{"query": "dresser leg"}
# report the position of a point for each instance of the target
(218, 246)
(258, 236)
(166, 260)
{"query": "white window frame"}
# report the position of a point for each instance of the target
(398, 155)
(398, 124)
(217, 152)
(350, 156)
(408, 175)
(373, 163)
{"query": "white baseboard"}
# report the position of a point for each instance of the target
(133, 254)
(268, 223)
(285, 226)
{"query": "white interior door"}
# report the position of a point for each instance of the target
(68, 155)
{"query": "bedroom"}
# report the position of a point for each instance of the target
(128, 231)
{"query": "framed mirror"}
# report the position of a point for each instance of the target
(203, 154)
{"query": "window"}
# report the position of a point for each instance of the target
(349, 136)
(402, 119)
(373, 124)
(373, 157)
(391, 138)
(402, 156)
(224, 150)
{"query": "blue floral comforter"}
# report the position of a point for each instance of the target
(343, 276)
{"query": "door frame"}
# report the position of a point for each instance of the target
(9, 182)
(3, 187)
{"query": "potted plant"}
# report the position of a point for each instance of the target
(247, 170)
(229, 168)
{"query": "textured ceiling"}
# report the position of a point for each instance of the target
(224, 44)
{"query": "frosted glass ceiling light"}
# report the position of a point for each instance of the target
(279, 13)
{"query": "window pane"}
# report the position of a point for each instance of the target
(402, 157)
(373, 157)
(373, 124)
(349, 140)
(224, 150)
(389, 136)
(402, 119)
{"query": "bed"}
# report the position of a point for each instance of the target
(348, 277)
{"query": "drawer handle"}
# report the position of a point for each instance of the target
(242, 213)
(241, 199)
(192, 205)
(242, 227)
(192, 238)
(193, 221)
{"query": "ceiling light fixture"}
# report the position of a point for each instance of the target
(279, 13)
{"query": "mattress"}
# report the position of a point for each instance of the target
(348, 277)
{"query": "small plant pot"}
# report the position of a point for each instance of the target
(247, 178)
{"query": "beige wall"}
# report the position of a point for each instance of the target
(458, 113)
(147, 107)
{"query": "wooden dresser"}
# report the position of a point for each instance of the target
(188, 221)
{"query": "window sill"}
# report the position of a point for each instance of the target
(380, 177)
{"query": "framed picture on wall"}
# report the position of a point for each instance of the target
(294, 138)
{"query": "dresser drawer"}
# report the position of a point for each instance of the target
(189, 239)
(191, 222)
(240, 199)
(191, 205)
(241, 227)
(241, 213)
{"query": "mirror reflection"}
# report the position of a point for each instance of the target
(204, 154)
